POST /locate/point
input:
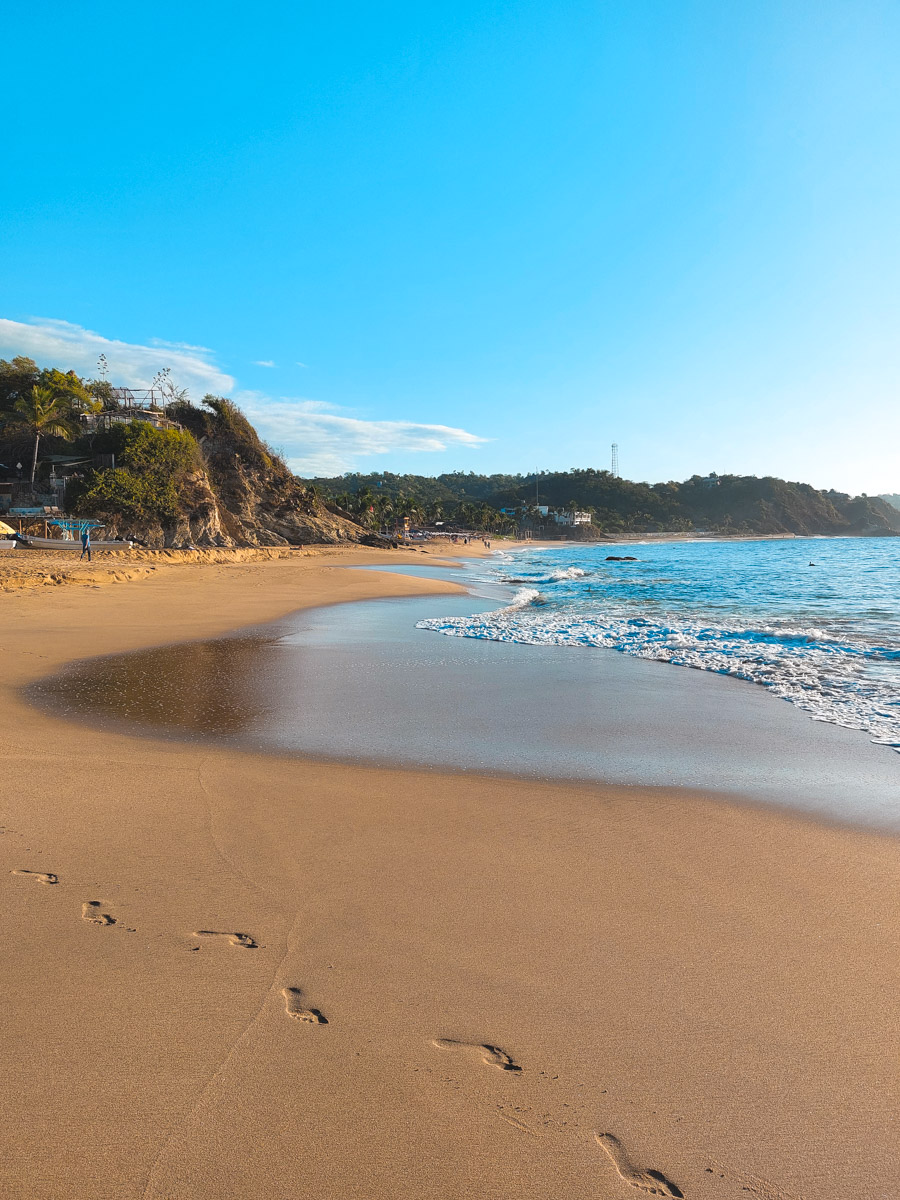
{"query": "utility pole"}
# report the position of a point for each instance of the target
(615, 460)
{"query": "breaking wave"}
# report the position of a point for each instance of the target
(831, 647)
(524, 598)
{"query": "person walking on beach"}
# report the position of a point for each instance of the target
(86, 544)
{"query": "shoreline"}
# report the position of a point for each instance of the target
(660, 728)
(22, 569)
(660, 965)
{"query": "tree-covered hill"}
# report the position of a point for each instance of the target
(202, 474)
(165, 475)
(726, 503)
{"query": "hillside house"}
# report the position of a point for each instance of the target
(572, 518)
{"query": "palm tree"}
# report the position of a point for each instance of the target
(44, 413)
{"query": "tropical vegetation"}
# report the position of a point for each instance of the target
(381, 510)
(40, 403)
(716, 503)
(144, 485)
(41, 413)
(148, 475)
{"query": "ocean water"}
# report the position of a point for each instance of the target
(815, 621)
(543, 690)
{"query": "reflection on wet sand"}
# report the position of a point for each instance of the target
(361, 683)
(213, 688)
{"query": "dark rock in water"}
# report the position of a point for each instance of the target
(620, 558)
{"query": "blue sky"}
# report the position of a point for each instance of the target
(496, 236)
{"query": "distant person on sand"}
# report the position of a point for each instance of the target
(86, 544)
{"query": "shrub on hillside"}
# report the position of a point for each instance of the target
(116, 490)
(222, 423)
(144, 484)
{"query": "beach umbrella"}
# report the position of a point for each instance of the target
(4, 528)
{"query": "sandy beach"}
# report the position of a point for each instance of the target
(230, 975)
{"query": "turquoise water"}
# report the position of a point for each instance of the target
(815, 621)
(536, 693)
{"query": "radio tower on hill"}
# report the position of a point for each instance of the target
(614, 470)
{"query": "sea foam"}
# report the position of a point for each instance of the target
(828, 643)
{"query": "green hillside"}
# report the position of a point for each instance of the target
(726, 503)
(205, 476)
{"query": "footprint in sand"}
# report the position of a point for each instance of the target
(235, 939)
(650, 1181)
(294, 1007)
(39, 876)
(492, 1055)
(90, 911)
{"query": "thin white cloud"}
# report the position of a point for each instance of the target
(300, 364)
(264, 362)
(317, 438)
(177, 345)
(53, 343)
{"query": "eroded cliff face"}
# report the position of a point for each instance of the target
(272, 516)
(242, 495)
(260, 503)
(197, 523)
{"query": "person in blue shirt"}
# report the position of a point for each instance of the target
(86, 544)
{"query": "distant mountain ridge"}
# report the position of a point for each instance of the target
(179, 473)
(716, 503)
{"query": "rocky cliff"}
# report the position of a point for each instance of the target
(211, 483)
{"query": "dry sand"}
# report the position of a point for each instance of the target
(230, 976)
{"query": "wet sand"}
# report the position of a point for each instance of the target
(467, 704)
(236, 975)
